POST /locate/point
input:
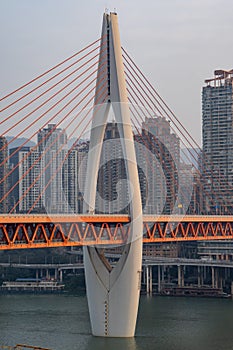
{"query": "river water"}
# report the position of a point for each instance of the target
(61, 322)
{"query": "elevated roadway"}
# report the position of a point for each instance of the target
(47, 231)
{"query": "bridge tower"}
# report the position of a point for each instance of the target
(113, 292)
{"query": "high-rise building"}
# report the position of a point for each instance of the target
(217, 133)
(196, 203)
(3, 175)
(77, 167)
(112, 188)
(52, 145)
(160, 159)
(25, 180)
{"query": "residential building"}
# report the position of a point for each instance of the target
(217, 133)
(3, 175)
(159, 157)
(77, 167)
(217, 158)
(25, 180)
(112, 187)
(52, 146)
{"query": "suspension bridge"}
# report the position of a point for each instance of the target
(70, 104)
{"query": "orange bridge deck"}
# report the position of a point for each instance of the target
(44, 231)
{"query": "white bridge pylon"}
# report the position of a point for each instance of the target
(113, 292)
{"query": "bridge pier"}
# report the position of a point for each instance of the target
(149, 280)
(213, 274)
(55, 274)
(113, 294)
(163, 272)
(180, 276)
(144, 275)
(200, 276)
(61, 276)
(159, 279)
(113, 291)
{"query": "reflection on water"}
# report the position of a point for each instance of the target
(112, 343)
(61, 322)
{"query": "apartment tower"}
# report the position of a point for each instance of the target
(3, 174)
(217, 133)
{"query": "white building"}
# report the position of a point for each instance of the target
(52, 145)
(25, 180)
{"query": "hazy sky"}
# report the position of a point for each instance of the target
(176, 43)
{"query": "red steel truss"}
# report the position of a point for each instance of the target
(44, 231)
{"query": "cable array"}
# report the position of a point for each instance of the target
(55, 110)
(149, 104)
(62, 102)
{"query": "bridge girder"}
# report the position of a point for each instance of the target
(42, 231)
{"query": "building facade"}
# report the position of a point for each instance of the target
(3, 175)
(52, 146)
(77, 168)
(25, 180)
(159, 158)
(112, 189)
(217, 132)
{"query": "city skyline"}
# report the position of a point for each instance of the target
(154, 110)
(50, 175)
(128, 186)
(184, 44)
